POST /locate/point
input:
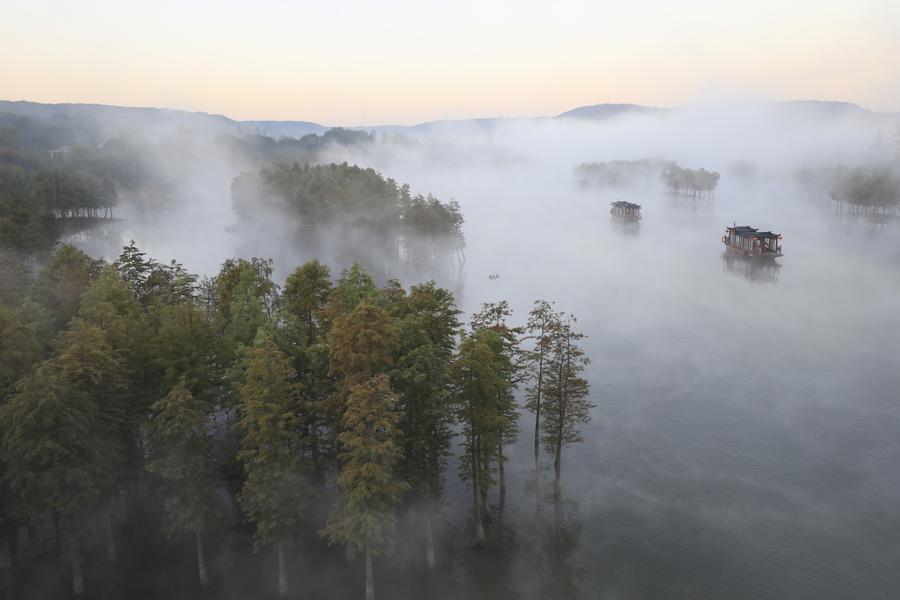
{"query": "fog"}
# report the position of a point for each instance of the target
(746, 436)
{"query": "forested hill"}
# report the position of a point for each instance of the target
(92, 123)
(609, 111)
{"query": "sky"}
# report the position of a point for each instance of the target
(351, 62)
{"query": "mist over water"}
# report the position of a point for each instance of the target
(746, 436)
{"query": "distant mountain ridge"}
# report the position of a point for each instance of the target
(609, 111)
(93, 123)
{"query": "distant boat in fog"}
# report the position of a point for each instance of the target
(625, 211)
(749, 242)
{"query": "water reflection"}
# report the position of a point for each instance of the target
(757, 270)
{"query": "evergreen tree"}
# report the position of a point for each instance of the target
(426, 340)
(62, 282)
(566, 396)
(541, 322)
(273, 496)
(363, 519)
(479, 383)
(57, 455)
(305, 295)
(182, 451)
(18, 349)
(246, 310)
(505, 344)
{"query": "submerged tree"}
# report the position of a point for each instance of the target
(479, 386)
(541, 322)
(182, 451)
(273, 495)
(363, 519)
(566, 396)
(505, 344)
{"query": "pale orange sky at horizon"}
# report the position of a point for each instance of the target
(353, 63)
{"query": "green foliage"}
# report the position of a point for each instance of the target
(19, 348)
(691, 181)
(15, 279)
(184, 347)
(305, 294)
(363, 519)
(566, 393)
(353, 212)
(421, 377)
(153, 282)
(246, 310)
(182, 456)
(868, 189)
(362, 342)
(480, 387)
(274, 495)
(62, 282)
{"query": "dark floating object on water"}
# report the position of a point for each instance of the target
(625, 211)
(751, 242)
(493, 276)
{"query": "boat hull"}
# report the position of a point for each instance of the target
(737, 251)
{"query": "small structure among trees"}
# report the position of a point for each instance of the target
(752, 243)
(695, 183)
(625, 211)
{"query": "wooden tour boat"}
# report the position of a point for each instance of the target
(625, 211)
(752, 243)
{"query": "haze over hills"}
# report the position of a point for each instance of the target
(94, 123)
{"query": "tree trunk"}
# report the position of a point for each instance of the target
(502, 473)
(557, 464)
(537, 408)
(201, 560)
(11, 553)
(77, 575)
(57, 531)
(429, 538)
(479, 526)
(111, 554)
(282, 572)
(370, 580)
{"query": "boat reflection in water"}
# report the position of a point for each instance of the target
(752, 269)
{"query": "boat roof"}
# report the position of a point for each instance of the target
(623, 204)
(746, 230)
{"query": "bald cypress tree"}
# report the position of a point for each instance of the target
(542, 320)
(273, 495)
(183, 458)
(305, 295)
(58, 455)
(566, 396)
(420, 375)
(19, 348)
(479, 385)
(506, 346)
(363, 519)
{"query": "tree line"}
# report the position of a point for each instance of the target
(691, 182)
(613, 173)
(232, 399)
(349, 211)
(867, 190)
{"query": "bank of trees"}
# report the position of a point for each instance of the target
(690, 182)
(613, 173)
(872, 191)
(348, 213)
(232, 401)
